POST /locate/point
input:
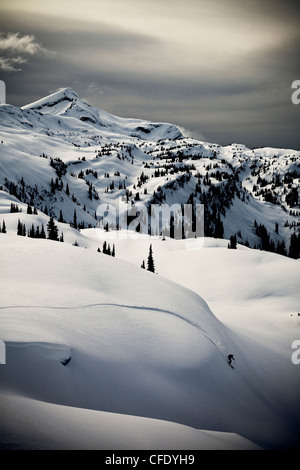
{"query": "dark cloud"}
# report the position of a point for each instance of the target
(227, 77)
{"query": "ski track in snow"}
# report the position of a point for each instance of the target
(132, 307)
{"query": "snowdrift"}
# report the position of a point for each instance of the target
(30, 424)
(87, 335)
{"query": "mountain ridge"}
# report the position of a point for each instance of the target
(59, 95)
(66, 103)
(91, 157)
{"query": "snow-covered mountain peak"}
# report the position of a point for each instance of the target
(53, 112)
(65, 95)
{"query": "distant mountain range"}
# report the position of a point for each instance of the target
(65, 158)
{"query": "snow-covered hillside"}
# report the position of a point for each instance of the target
(87, 334)
(63, 155)
(101, 354)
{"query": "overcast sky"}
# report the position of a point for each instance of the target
(220, 69)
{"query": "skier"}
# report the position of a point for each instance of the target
(230, 359)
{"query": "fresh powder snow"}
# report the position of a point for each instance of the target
(101, 354)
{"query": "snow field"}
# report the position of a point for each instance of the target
(139, 344)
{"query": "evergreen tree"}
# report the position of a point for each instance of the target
(75, 219)
(31, 232)
(281, 250)
(232, 245)
(90, 192)
(262, 232)
(143, 265)
(19, 228)
(292, 197)
(42, 234)
(52, 185)
(219, 228)
(52, 230)
(294, 249)
(14, 208)
(150, 262)
(61, 218)
(3, 227)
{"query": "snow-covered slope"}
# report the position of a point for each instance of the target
(103, 354)
(62, 155)
(90, 332)
(84, 429)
